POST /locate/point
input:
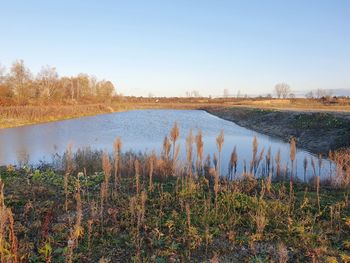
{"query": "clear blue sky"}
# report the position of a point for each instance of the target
(168, 47)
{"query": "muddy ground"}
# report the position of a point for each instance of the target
(317, 132)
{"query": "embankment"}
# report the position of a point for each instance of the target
(317, 132)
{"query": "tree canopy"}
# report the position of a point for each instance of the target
(20, 84)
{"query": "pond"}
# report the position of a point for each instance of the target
(141, 131)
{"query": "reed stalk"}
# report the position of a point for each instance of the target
(199, 147)
(69, 170)
(174, 135)
(117, 145)
(219, 143)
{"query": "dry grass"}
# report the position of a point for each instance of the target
(12, 116)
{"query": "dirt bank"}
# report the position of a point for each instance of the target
(317, 132)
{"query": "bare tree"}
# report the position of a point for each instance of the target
(20, 78)
(282, 90)
(48, 81)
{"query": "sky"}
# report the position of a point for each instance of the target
(168, 47)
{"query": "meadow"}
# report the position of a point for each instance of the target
(92, 206)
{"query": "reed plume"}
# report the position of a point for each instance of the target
(174, 135)
(233, 163)
(166, 149)
(199, 147)
(219, 143)
(189, 152)
(254, 164)
(255, 152)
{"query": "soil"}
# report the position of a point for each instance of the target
(317, 132)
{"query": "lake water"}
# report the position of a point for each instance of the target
(140, 130)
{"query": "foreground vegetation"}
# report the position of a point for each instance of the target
(93, 206)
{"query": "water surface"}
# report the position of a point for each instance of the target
(140, 130)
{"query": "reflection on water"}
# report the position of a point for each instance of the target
(140, 130)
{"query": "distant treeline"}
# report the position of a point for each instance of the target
(19, 86)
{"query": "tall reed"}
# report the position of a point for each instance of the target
(320, 162)
(106, 167)
(292, 156)
(219, 143)
(151, 163)
(189, 153)
(69, 170)
(233, 163)
(117, 158)
(278, 163)
(166, 149)
(254, 157)
(199, 147)
(174, 135)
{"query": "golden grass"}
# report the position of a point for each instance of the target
(13, 116)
